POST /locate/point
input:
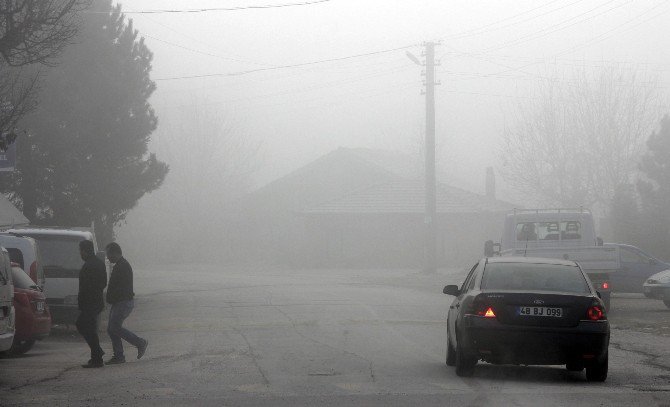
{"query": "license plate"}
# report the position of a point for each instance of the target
(40, 306)
(540, 312)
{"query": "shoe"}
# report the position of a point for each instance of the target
(115, 361)
(142, 348)
(93, 364)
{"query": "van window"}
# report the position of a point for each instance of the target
(16, 256)
(564, 230)
(60, 254)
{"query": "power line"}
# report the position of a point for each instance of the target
(193, 38)
(483, 29)
(203, 52)
(558, 27)
(298, 65)
(205, 10)
(599, 38)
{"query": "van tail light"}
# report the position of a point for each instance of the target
(22, 299)
(595, 313)
(605, 285)
(33, 272)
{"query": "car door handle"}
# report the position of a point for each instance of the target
(451, 307)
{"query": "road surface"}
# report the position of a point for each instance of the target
(267, 336)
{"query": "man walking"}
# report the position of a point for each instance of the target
(120, 295)
(92, 280)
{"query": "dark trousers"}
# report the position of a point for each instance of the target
(117, 314)
(87, 325)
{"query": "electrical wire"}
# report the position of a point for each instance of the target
(482, 30)
(558, 26)
(205, 10)
(298, 65)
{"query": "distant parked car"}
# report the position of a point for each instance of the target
(33, 320)
(59, 250)
(658, 287)
(636, 267)
(24, 251)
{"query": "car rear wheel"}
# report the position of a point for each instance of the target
(451, 352)
(667, 303)
(21, 347)
(597, 371)
(465, 364)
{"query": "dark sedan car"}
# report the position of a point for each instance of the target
(531, 311)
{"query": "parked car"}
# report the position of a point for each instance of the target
(657, 286)
(59, 250)
(7, 312)
(635, 267)
(24, 251)
(531, 311)
(33, 320)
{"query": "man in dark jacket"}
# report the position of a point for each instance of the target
(120, 295)
(92, 280)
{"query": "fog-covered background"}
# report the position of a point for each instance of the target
(295, 130)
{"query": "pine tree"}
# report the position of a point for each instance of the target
(92, 129)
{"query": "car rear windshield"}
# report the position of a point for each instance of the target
(21, 279)
(60, 251)
(534, 277)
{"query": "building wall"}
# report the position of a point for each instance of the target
(395, 240)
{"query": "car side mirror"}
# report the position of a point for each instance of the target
(451, 290)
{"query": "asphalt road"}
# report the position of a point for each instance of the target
(277, 337)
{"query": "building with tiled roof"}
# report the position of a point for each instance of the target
(362, 208)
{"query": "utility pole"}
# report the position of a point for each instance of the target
(430, 216)
(430, 253)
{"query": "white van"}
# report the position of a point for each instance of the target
(7, 312)
(61, 261)
(24, 251)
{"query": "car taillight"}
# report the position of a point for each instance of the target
(605, 285)
(488, 313)
(595, 313)
(22, 299)
(33, 272)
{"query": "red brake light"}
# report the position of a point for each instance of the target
(606, 285)
(487, 313)
(33, 272)
(595, 313)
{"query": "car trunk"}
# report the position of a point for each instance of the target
(538, 308)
